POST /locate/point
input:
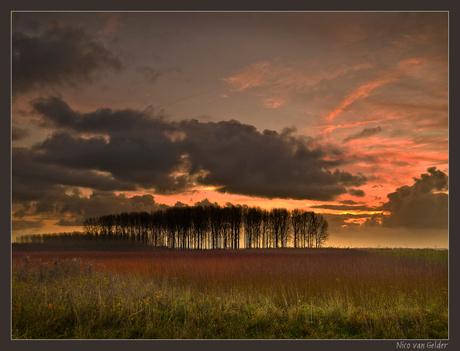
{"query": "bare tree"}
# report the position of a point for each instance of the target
(321, 231)
(296, 218)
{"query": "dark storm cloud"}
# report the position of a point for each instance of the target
(18, 133)
(374, 221)
(142, 161)
(366, 132)
(351, 202)
(32, 25)
(23, 224)
(356, 192)
(57, 113)
(264, 164)
(145, 151)
(70, 202)
(421, 205)
(336, 222)
(100, 203)
(69, 223)
(205, 203)
(32, 178)
(345, 207)
(59, 55)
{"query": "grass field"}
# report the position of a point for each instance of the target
(238, 294)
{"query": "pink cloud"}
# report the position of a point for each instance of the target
(413, 67)
(276, 84)
(331, 127)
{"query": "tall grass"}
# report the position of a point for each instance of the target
(264, 294)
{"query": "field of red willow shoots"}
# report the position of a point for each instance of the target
(252, 293)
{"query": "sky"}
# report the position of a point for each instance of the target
(341, 113)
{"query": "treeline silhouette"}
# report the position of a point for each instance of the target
(52, 237)
(214, 227)
(73, 241)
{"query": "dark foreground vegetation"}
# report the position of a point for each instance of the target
(230, 294)
(213, 227)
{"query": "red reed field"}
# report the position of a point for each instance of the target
(258, 293)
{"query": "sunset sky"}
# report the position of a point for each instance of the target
(341, 113)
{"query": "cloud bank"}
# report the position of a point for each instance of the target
(59, 55)
(422, 205)
(18, 133)
(122, 150)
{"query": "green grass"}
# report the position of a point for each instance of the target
(417, 254)
(338, 294)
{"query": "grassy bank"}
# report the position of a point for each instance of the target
(263, 294)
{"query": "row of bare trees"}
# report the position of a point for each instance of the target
(213, 227)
